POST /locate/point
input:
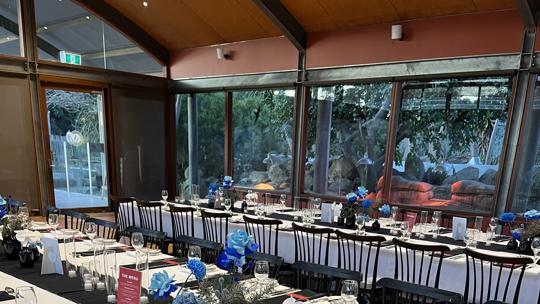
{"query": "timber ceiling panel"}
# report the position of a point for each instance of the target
(324, 15)
(179, 24)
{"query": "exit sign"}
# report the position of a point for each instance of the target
(71, 58)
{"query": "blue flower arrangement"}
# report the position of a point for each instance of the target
(366, 203)
(361, 192)
(187, 297)
(3, 207)
(198, 269)
(161, 285)
(385, 210)
(351, 198)
(239, 244)
(508, 217)
(227, 182)
(212, 189)
(532, 214)
(516, 234)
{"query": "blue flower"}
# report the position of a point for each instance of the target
(508, 217)
(532, 214)
(223, 261)
(351, 198)
(361, 191)
(161, 285)
(212, 188)
(227, 182)
(198, 268)
(516, 234)
(385, 210)
(366, 203)
(186, 297)
(241, 241)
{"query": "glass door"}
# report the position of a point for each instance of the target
(76, 132)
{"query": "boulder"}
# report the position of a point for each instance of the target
(449, 180)
(257, 177)
(340, 186)
(489, 177)
(342, 168)
(469, 173)
(414, 167)
(276, 175)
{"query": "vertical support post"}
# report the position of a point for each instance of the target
(322, 144)
(193, 139)
(228, 134)
(515, 137)
(395, 107)
(66, 166)
(299, 114)
(171, 121)
(89, 162)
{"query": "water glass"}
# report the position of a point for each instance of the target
(360, 224)
(317, 203)
(111, 284)
(194, 252)
(164, 195)
(306, 217)
(87, 276)
(137, 241)
(478, 223)
(259, 211)
(435, 220)
(535, 247)
(394, 215)
(423, 224)
(296, 206)
(282, 200)
(404, 229)
(471, 238)
(25, 295)
(349, 291)
(267, 199)
(261, 270)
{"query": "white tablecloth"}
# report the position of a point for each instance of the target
(42, 295)
(453, 270)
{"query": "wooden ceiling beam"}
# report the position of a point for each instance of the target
(528, 10)
(116, 19)
(285, 21)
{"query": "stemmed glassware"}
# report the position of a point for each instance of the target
(194, 252)
(164, 195)
(90, 229)
(227, 204)
(261, 270)
(349, 291)
(137, 241)
(53, 222)
(435, 220)
(195, 198)
(535, 247)
(493, 223)
(25, 295)
(282, 200)
(307, 217)
(405, 230)
(361, 224)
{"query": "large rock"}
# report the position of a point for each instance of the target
(276, 175)
(489, 177)
(449, 180)
(342, 168)
(258, 177)
(414, 167)
(469, 173)
(340, 186)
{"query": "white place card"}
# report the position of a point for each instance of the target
(52, 262)
(459, 228)
(337, 211)
(327, 213)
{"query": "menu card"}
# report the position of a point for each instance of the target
(459, 228)
(410, 217)
(129, 286)
(327, 213)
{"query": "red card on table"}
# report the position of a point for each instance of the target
(410, 217)
(129, 286)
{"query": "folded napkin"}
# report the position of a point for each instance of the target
(4, 296)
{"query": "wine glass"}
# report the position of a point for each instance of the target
(164, 195)
(394, 215)
(349, 291)
(194, 253)
(137, 241)
(306, 217)
(25, 295)
(282, 200)
(53, 221)
(535, 247)
(317, 204)
(227, 204)
(90, 229)
(493, 223)
(436, 219)
(360, 224)
(261, 270)
(405, 232)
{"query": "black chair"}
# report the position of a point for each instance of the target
(182, 225)
(13, 205)
(311, 244)
(265, 233)
(410, 256)
(124, 212)
(215, 226)
(105, 229)
(489, 286)
(209, 250)
(74, 219)
(323, 278)
(150, 215)
(360, 253)
(274, 262)
(51, 210)
(397, 292)
(152, 238)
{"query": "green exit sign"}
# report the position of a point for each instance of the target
(71, 58)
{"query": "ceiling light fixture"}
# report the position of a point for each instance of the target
(221, 54)
(45, 28)
(145, 3)
(88, 17)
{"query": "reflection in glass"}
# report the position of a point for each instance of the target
(9, 28)
(449, 141)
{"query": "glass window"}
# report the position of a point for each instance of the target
(182, 153)
(356, 118)
(9, 28)
(262, 138)
(449, 141)
(528, 179)
(63, 26)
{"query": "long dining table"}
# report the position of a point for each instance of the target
(453, 271)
